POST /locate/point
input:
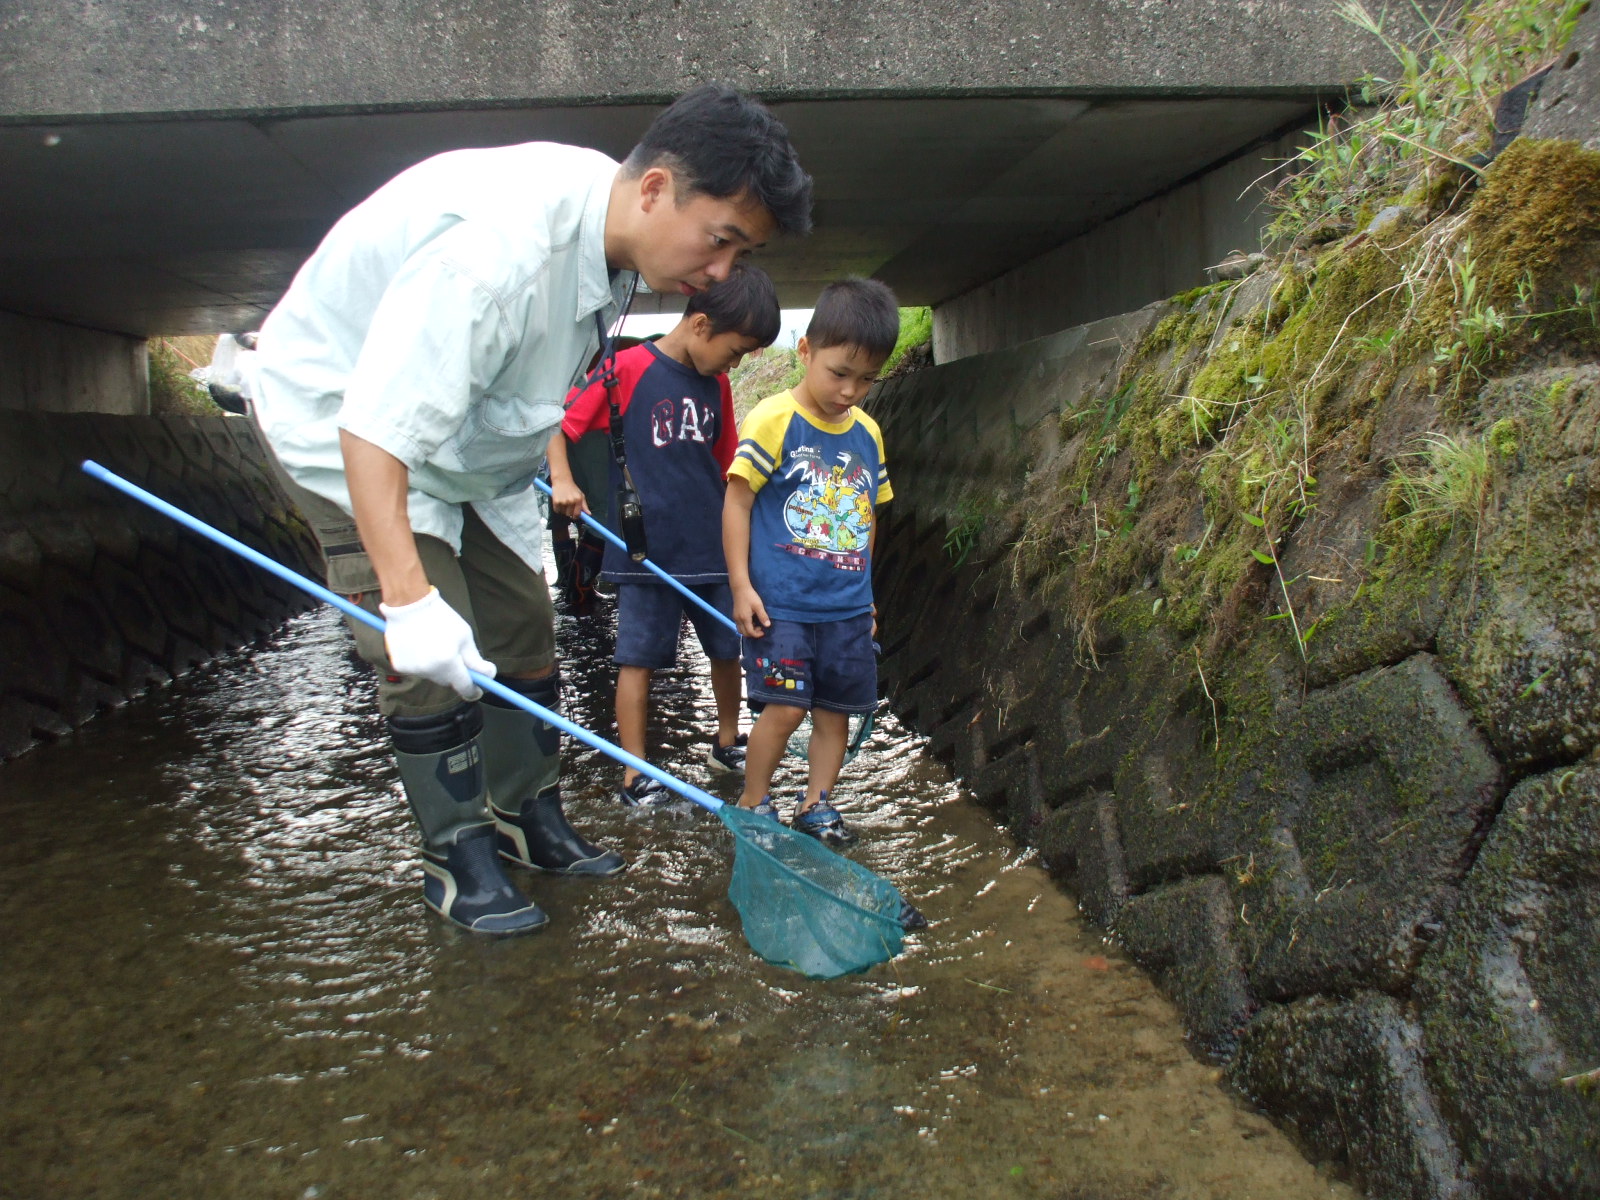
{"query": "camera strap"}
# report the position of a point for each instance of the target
(629, 512)
(606, 375)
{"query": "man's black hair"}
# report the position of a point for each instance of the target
(721, 143)
(855, 312)
(745, 301)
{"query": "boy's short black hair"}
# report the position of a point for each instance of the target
(721, 143)
(855, 312)
(745, 301)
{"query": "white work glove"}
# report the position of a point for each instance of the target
(428, 638)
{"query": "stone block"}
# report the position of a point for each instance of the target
(162, 569)
(1523, 642)
(66, 539)
(137, 614)
(1183, 934)
(1390, 785)
(1569, 101)
(33, 664)
(1011, 787)
(101, 597)
(951, 735)
(1388, 621)
(1090, 723)
(20, 558)
(1507, 996)
(1079, 843)
(1166, 830)
(1348, 1075)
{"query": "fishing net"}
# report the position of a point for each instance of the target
(805, 907)
(860, 730)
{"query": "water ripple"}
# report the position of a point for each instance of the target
(222, 982)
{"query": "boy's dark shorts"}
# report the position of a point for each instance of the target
(829, 665)
(650, 617)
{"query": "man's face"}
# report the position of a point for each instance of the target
(838, 378)
(689, 244)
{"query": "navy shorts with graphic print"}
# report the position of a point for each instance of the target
(650, 618)
(830, 665)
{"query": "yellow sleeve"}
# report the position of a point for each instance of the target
(885, 492)
(761, 440)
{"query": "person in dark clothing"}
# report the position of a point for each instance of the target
(679, 435)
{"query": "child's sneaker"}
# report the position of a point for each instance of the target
(766, 809)
(823, 822)
(728, 758)
(645, 792)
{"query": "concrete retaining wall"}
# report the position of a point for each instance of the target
(100, 597)
(1158, 249)
(46, 366)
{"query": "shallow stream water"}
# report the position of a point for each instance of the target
(219, 981)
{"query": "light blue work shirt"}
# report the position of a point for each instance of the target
(444, 319)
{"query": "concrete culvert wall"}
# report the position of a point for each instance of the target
(101, 597)
(1269, 616)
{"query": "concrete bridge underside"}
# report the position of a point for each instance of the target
(174, 226)
(167, 169)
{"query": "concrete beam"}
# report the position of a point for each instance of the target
(167, 168)
(197, 225)
(264, 57)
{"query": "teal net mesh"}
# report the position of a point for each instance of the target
(861, 725)
(805, 907)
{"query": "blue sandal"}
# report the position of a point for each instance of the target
(765, 809)
(823, 822)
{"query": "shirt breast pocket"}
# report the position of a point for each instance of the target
(501, 433)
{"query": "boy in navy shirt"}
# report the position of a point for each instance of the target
(798, 528)
(679, 436)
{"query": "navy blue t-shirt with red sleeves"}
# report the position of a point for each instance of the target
(679, 434)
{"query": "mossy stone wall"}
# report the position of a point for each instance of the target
(1323, 759)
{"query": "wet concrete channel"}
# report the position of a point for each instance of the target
(219, 981)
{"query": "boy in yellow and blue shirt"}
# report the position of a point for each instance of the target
(798, 526)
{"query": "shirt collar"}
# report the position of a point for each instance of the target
(595, 287)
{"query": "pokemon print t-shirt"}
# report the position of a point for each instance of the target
(816, 486)
(678, 433)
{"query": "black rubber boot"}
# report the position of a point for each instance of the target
(523, 759)
(465, 884)
(566, 593)
(587, 556)
(540, 837)
(441, 765)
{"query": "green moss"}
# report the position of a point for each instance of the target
(1555, 396)
(1187, 299)
(1236, 408)
(1354, 292)
(1198, 583)
(1222, 385)
(1537, 218)
(1503, 437)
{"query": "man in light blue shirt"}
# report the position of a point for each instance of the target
(407, 384)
